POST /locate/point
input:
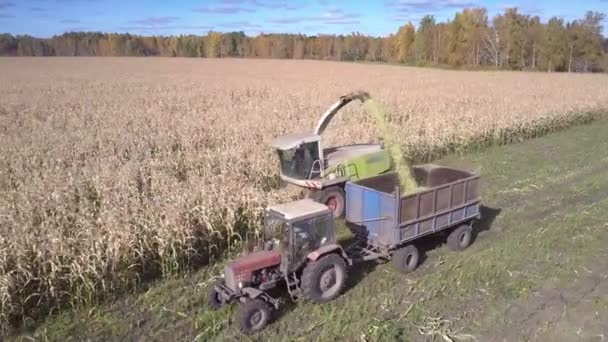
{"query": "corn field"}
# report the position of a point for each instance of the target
(114, 171)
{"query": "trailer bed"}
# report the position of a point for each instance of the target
(376, 211)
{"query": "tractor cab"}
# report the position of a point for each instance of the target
(296, 229)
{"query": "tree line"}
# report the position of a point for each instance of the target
(510, 40)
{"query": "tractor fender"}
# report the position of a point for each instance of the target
(327, 249)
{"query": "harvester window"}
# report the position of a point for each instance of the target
(298, 162)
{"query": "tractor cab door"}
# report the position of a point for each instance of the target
(307, 236)
(302, 243)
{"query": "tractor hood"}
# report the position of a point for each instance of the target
(241, 269)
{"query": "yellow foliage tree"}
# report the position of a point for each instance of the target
(403, 42)
(213, 44)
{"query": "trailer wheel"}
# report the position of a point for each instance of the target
(255, 315)
(406, 259)
(324, 279)
(333, 197)
(460, 238)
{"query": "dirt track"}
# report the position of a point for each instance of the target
(572, 312)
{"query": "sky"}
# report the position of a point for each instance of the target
(45, 18)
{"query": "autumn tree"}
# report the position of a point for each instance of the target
(492, 47)
(355, 46)
(588, 41)
(213, 44)
(512, 29)
(424, 44)
(338, 48)
(553, 47)
(134, 46)
(374, 50)
(8, 45)
(403, 42)
(298, 47)
(386, 50)
(535, 33)
(441, 46)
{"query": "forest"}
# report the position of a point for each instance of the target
(511, 40)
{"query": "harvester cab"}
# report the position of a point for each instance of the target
(306, 163)
(299, 250)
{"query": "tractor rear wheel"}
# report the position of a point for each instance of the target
(324, 279)
(255, 315)
(460, 238)
(406, 259)
(333, 197)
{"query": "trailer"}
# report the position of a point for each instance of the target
(389, 224)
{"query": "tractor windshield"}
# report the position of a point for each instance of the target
(298, 162)
(276, 233)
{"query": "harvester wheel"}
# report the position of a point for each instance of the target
(255, 315)
(333, 197)
(406, 259)
(324, 279)
(460, 238)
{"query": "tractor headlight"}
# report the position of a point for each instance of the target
(240, 284)
(331, 175)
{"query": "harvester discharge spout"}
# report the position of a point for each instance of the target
(343, 101)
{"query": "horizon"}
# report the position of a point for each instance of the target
(47, 18)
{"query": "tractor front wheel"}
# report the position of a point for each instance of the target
(215, 300)
(255, 315)
(333, 197)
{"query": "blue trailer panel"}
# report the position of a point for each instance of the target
(375, 210)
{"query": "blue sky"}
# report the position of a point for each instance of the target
(44, 18)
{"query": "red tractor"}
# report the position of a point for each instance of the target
(299, 250)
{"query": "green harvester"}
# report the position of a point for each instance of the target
(304, 162)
